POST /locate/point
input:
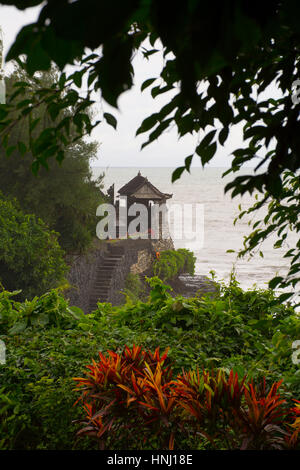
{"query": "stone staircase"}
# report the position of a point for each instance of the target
(103, 278)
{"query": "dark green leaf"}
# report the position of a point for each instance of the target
(177, 173)
(110, 119)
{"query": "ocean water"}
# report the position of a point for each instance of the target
(206, 187)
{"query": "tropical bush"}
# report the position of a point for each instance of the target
(131, 397)
(296, 424)
(48, 343)
(134, 289)
(171, 263)
(31, 259)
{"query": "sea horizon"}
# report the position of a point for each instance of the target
(206, 186)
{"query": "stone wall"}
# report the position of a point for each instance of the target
(161, 245)
(121, 272)
(137, 253)
(144, 261)
(146, 256)
(82, 274)
(137, 257)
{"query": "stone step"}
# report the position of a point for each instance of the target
(99, 290)
(103, 290)
(93, 305)
(116, 250)
(114, 255)
(98, 299)
(103, 276)
(101, 287)
(105, 272)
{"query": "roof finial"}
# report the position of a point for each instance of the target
(139, 173)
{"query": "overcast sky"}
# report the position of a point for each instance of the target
(121, 147)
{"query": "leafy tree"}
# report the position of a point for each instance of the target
(282, 218)
(63, 195)
(241, 47)
(219, 62)
(30, 256)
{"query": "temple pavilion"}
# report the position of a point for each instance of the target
(139, 191)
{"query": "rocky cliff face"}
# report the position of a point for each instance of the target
(146, 256)
(100, 275)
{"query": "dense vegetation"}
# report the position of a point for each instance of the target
(220, 84)
(172, 263)
(63, 194)
(134, 288)
(31, 259)
(168, 265)
(49, 343)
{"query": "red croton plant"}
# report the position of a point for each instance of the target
(132, 398)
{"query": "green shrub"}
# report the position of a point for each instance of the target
(46, 341)
(174, 262)
(134, 289)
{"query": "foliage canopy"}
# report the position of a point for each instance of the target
(63, 195)
(233, 51)
(30, 256)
